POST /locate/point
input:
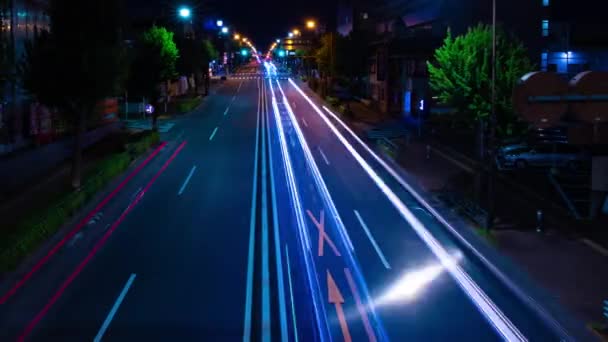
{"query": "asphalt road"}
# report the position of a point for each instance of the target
(257, 221)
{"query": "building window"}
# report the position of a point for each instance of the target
(546, 3)
(407, 102)
(545, 28)
(543, 60)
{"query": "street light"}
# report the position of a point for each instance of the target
(311, 24)
(278, 41)
(184, 12)
(290, 34)
(219, 23)
(296, 32)
(237, 36)
(224, 30)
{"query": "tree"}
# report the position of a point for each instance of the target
(350, 56)
(79, 63)
(460, 76)
(154, 61)
(208, 54)
(195, 56)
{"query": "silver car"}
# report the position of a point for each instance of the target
(543, 155)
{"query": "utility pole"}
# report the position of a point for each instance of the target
(492, 135)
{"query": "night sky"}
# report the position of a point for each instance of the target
(262, 20)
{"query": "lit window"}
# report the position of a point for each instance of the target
(546, 3)
(545, 28)
(544, 57)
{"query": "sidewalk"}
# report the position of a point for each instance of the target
(40, 192)
(570, 270)
(24, 168)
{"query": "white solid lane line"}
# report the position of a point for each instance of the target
(266, 320)
(112, 312)
(181, 190)
(277, 239)
(323, 155)
(486, 306)
(226, 111)
(373, 241)
(293, 306)
(250, 256)
(213, 134)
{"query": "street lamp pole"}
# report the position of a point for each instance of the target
(493, 122)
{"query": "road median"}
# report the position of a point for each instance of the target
(39, 225)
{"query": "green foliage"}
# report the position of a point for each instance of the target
(142, 144)
(160, 41)
(40, 226)
(350, 54)
(81, 61)
(333, 101)
(187, 105)
(209, 53)
(460, 76)
(154, 60)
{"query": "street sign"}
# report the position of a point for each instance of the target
(606, 309)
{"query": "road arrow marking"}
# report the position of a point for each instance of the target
(335, 298)
(322, 234)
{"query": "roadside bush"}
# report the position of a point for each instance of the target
(144, 142)
(40, 226)
(186, 105)
(333, 101)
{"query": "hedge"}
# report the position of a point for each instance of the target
(33, 231)
(186, 105)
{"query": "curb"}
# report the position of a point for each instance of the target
(11, 282)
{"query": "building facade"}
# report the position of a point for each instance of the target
(572, 38)
(409, 31)
(19, 21)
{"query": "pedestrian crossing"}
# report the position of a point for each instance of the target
(237, 77)
(387, 132)
(142, 125)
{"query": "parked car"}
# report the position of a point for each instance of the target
(542, 155)
(548, 136)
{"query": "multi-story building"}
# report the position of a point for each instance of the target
(572, 38)
(408, 32)
(19, 20)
